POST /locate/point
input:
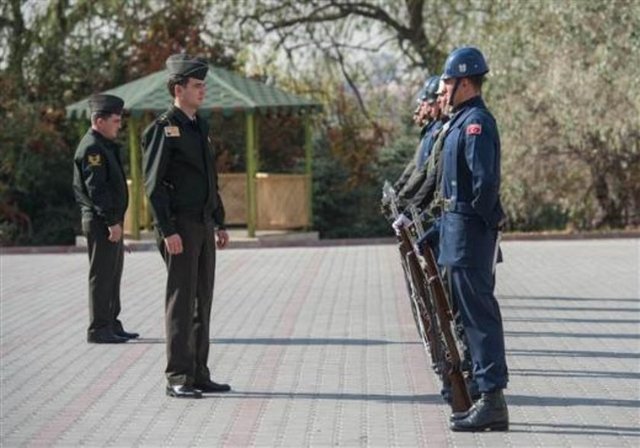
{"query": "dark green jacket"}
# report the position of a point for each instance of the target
(99, 182)
(180, 171)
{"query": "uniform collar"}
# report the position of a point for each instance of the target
(476, 101)
(181, 116)
(102, 139)
(426, 127)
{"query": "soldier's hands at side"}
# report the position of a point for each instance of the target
(173, 243)
(222, 238)
(115, 233)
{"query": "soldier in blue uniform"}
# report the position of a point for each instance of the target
(468, 233)
(428, 199)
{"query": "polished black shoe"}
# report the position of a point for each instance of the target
(212, 387)
(126, 334)
(459, 415)
(490, 413)
(181, 391)
(105, 337)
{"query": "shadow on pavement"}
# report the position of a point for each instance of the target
(574, 373)
(560, 428)
(532, 400)
(571, 320)
(286, 341)
(384, 398)
(570, 299)
(559, 334)
(571, 308)
(572, 353)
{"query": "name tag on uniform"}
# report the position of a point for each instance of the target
(172, 131)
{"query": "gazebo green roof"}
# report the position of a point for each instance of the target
(227, 92)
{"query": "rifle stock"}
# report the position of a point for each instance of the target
(460, 399)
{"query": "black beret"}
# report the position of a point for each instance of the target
(188, 66)
(104, 103)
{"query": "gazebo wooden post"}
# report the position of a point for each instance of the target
(136, 177)
(252, 169)
(308, 166)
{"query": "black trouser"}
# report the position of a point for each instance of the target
(105, 271)
(188, 301)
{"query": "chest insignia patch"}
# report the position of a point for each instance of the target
(474, 129)
(94, 159)
(172, 131)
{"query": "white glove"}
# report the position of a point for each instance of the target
(400, 222)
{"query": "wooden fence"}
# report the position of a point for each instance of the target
(281, 201)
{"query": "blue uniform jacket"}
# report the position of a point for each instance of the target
(426, 142)
(470, 187)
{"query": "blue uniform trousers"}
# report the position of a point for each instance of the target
(472, 290)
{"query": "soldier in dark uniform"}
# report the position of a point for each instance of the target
(411, 191)
(428, 133)
(468, 233)
(181, 183)
(100, 188)
(420, 118)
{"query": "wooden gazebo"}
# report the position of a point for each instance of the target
(227, 93)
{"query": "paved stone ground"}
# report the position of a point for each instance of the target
(320, 348)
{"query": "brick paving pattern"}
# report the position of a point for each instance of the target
(320, 348)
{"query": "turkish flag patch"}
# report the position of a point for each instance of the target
(474, 129)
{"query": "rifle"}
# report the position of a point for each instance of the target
(416, 286)
(460, 398)
(432, 312)
(427, 326)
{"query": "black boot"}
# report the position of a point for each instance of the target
(104, 336)
(489, 413)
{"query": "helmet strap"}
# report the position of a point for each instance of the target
(454, 91)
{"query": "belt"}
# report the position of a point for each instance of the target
(196, 215)
(460, 207)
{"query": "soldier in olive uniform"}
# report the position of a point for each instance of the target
(100, 188)
(181, 183)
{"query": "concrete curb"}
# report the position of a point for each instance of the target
(145, 246)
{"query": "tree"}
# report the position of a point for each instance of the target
(563, 84)
(59, 52)
(568, 101)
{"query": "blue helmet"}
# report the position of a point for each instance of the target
(430, 89)
(464, 62)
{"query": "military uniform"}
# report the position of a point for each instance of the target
(419, 174)
(468, 238)
(422, 194)
(410, 177)
(181, 183)
(100, 188)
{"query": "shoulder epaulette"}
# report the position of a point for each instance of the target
(163, 120)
